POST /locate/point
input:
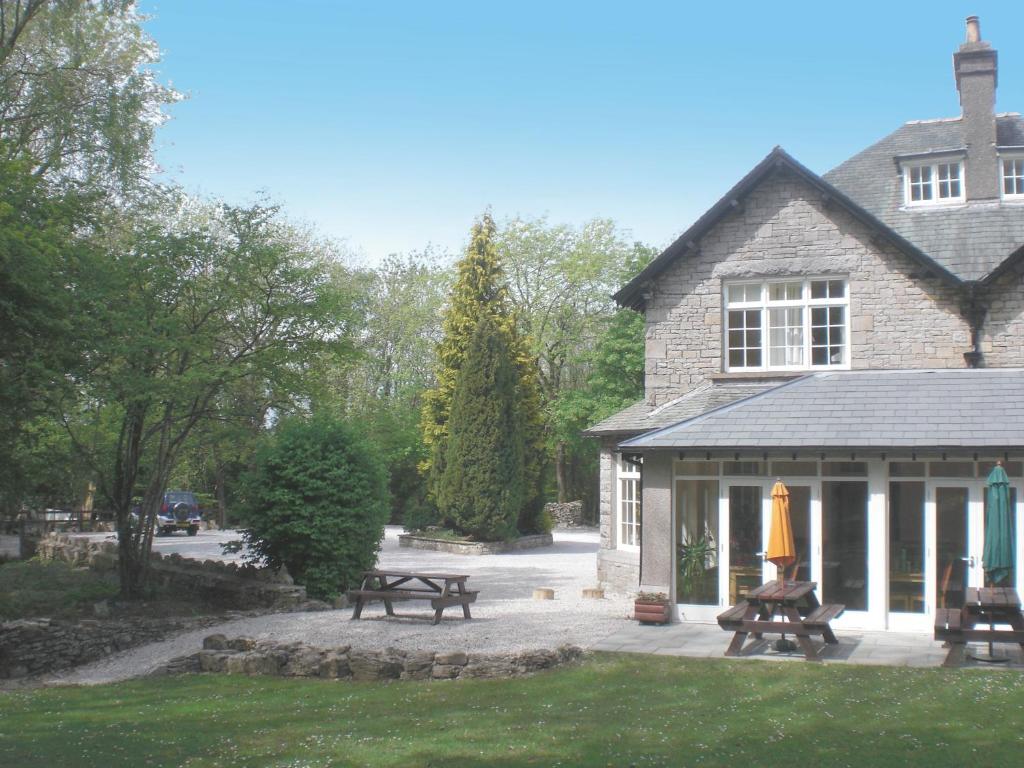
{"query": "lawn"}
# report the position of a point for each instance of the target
(50, 588)
(611, 711)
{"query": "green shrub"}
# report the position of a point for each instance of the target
(316, 502)
(483, 487)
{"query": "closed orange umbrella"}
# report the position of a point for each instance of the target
(781, 549)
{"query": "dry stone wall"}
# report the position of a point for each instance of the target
(229, 584)
(38, 646)
(246, 656)
(567, 515)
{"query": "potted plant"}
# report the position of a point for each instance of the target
(651, 608)
(695, 554)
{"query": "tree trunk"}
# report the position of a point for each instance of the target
(560, 477)
(221, 492)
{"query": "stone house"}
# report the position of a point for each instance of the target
(857, 335)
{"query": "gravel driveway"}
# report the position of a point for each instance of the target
(505, 616)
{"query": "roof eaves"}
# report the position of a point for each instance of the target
(725, 407)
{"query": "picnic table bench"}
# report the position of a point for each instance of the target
(799, 614)
(443, 590)
(982, 605)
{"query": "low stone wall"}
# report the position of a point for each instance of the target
(566, 515)
(40, 646)
(228, 584)
(426, 541)
(246, 656)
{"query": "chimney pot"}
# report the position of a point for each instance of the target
(973, 29)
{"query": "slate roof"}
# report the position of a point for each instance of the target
(970, 241)
(643, 417)
(920, 409)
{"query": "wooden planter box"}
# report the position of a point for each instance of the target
(651, 612)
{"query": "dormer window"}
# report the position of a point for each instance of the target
(787, 325)
(933, 183)
(1013, 177)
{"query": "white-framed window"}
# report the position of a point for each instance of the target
(1013, 176)
(629, 501)
(793, 324)
(933, 183)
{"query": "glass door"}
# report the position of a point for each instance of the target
(746, 539)
(697, 542)
(956, 563)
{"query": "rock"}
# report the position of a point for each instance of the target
(543, 593)
(531, 661)
(593, 593)
(375, 665)
(235, 665)
(335, 665)
(484, 665)
(101, 609)
(316, 605)
(240, 643)
(457, 658)
(304, 663)
(445, 671)
(216, 642)
(341, 601)
(418, 665)
(213, 661)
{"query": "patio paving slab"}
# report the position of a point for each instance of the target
(703, 640)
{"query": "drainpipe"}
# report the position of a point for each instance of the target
(974, 310)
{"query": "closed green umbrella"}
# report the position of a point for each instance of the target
(998, 555)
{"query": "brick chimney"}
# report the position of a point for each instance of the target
(975, 67)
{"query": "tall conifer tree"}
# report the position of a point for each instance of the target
(481, 488)
(479, 290)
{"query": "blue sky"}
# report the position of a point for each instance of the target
(391, 125)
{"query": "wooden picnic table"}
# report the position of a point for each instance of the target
(443, 590)
(982, 605)
(797, 610)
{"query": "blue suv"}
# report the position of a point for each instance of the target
(178, 512)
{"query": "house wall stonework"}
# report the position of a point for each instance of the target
(900, 318)
(1002, 338)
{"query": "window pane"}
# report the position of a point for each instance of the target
(951, 469)
(785, 291)
(706, 468)
(794, 468)
(844, 468)
(836, 289)
(951, 546)
(745, 292)
(1013, 468)
(745, 540)
(906, 546)
(742, 467)
(786, 336)
(906, 469)
(844, 543)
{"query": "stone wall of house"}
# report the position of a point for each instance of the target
(566, 515)
(899, 317)
(41, 646)
(246, 656)
(1002, 338)
(228, 584)
(618, 571)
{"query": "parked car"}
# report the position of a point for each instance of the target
(178, 512)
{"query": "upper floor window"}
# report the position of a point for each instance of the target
(933, 183)
(1013, 177)
(787, 324)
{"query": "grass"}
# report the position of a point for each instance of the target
(611, 711)
(48, 588)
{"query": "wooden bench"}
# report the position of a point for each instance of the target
(732, 619)
(823, 614)
(442, 590)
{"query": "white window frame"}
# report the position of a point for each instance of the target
(806, 303)
(936, 170)
(1016, 161)
(628, 504)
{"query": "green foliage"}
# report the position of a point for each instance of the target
(482, 489)
(77, 91)
(316, 503)
(40, 257)
(54, 589)
(481, 290)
